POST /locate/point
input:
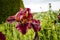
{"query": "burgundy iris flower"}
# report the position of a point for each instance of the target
(25, 20)
(2, 36)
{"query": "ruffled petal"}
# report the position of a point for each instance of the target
(27, 9)
(28, 14)
(19, 15)
(22, 27)
(24, 15)
(30, 17)
(35, 25)
(11, 19)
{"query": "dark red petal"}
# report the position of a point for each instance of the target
(28, 12)
(29, 26)
(23, 28)
(35, 25)
(11, 19)
(2, 36)
(27, 9)
(30, 16)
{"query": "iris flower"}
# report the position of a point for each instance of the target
(25, 20)
(2, 36)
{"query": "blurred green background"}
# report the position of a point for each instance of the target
(8, 8)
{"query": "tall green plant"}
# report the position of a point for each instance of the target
(8, 8)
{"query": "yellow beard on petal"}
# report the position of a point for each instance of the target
(27, 14)
(25, 20)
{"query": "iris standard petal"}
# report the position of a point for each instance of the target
(30, 17)
(27, 9)
(18, 15)
(24, 15)
(28, 14)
